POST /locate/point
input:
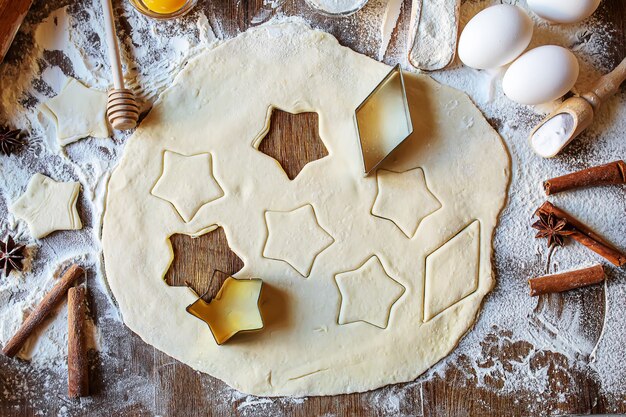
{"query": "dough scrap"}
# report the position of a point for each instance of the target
(187, 183)
(303, 350)
(295, 237)
(78, 112)
(368, 294)
(47, 206)
(405, 210)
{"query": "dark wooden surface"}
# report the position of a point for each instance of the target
(174, 389)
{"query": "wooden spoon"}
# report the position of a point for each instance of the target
(574, 115)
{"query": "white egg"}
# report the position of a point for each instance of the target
(540, 75)
(564, 11)
(495, 37)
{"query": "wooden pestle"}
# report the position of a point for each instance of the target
(122, 108)
(583, 108)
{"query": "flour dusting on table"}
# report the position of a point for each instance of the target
(154, 52)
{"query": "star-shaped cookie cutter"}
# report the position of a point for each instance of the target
(227, 314)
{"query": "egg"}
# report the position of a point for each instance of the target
(563, 11)
(540, 75)
(495, 37)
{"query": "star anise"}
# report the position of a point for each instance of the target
(11, 140)
(553, 228)
(12, 256)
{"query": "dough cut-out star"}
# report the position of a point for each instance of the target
(368, 294)
(295, 237)
(187, 182)
(234, 309)
(78, 112)
(404, 198)
(47, 206)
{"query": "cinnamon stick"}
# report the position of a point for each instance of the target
(612, 173)
(566, 281)
(77, 363)
(45, 307)
(585, 236)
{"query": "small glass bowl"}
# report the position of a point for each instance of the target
(355, 7)
(142, 8)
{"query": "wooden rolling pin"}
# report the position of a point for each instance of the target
(12, 13)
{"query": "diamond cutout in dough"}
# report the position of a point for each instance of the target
(368, 294)
(295, 237)
(47, 206)
(404, 198)
(78, 112)
(452, 271)
(187, 182)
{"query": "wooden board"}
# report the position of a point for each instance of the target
(118, 377)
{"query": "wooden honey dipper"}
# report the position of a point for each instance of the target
(122, 108)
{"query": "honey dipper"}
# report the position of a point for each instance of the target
(574, 115)
(122, 108)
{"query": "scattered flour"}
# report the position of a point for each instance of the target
(556, 336)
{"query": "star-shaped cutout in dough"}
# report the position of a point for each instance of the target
(78, 112)
(187, 182)
(368, 294)
(48, 205)
(234, 309)
(404, 198)
(295, 237)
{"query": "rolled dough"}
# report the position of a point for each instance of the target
(319, 337)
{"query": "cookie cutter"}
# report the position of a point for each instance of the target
(380, 136)
(227, 314)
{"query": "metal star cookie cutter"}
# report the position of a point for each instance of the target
(380, 136)
(225, 314)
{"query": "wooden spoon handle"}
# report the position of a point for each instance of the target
(606, 86)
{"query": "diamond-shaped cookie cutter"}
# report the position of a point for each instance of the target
(373, 149)
(202, 310)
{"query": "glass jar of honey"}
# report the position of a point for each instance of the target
(164, 9)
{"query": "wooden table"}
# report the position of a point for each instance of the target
(134, 379)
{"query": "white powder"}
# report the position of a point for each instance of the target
(435, 34)
(337, 7)
(553, 135)
(153, 53)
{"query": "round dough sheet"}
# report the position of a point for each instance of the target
(368, 281)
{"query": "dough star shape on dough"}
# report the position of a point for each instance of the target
(295, 237)
(187, 182)
(78, 112)
(405, 210)
(368, 294)
(47, 206)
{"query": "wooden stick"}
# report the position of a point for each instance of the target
(606, 86)
(45, 307)
(12, 13)
(566, 281)
(77, 363)
(608, 174)
(585, 236)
